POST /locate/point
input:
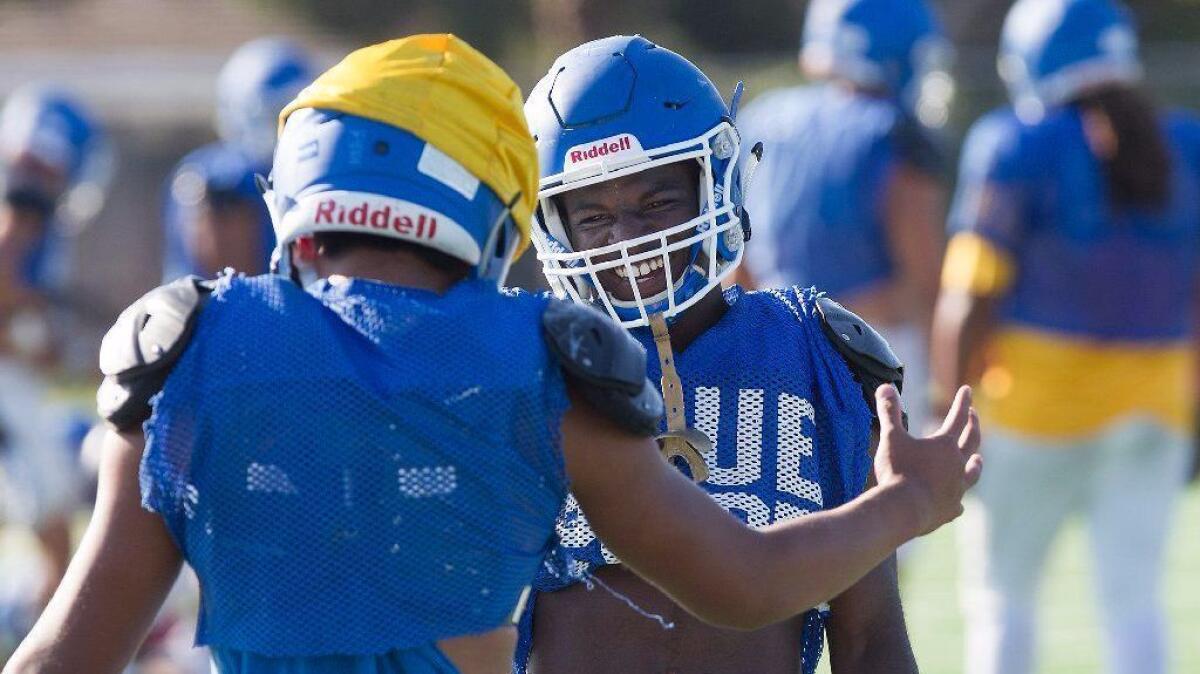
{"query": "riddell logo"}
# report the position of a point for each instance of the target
(612, 146)
(332, 211)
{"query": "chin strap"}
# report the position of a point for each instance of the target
(680, 441)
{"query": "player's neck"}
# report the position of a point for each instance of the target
(396, 267)
(697, 319)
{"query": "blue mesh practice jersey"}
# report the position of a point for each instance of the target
(788, 422)
(815, 201)
(360, 468)
(214, 174)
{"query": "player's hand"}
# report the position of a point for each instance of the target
(932, 474)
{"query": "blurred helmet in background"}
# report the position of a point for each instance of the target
(895, 47)
(420, 139)
(615, 107)
(253, 86)
(1053, 50)
(56, 156)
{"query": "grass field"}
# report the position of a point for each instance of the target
(1070, 633)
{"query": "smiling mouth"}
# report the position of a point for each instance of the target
(641, 270)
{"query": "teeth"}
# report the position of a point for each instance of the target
(640, 270)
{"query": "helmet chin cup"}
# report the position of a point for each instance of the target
(690, 445)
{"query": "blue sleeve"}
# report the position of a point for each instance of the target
(993, 183)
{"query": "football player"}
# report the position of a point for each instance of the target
(640, 184)
(850, 193)
(1069, 290)
(55, 161)
(214, 216)
(365, 470)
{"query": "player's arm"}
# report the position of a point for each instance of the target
(115, 584)
(670, 532)
(127, 560)
(976, 274)
(980, 267)
(914, 211)
(866, 628)
(962, 324)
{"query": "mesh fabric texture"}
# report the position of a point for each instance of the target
(789, 426)
(361, 467)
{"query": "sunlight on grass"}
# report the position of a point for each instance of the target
(1069, 633)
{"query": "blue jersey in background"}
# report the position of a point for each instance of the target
(214, 175)
(815, 200)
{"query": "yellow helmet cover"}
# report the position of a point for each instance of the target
(448, 94)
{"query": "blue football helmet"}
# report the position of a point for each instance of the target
(54, 150)
(337, 172)
(259, 79)
(614, 107)
(893, 46)
(1052, 50)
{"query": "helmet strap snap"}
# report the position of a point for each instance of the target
(689, 444)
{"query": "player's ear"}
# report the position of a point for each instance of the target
(304, 249)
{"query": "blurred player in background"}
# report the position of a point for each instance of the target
(1069, 292)
(638, 156)
(366, 472)
(850, 193)
(56, 164)
(214, 216)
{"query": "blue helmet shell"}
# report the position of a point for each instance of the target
(53, 127)
(339, 172)
(621, 105)
(55, 130)
(619, 85)
(255, 83)
(1052, 50)
(879, 44)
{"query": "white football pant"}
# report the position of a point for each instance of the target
(1124, 481)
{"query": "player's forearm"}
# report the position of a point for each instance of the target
(730, 575)
(781, 571)
(962, 324)
(125, 565)
(812, 559)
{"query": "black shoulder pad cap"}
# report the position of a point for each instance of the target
(607, 364)
(141, 347)
(864, 350)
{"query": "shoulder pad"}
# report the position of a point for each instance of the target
(867, 353)
(606, 363)
(139, 350)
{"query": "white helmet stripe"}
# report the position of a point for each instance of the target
(367, 213)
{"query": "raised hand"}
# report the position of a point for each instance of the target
(936, 471)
